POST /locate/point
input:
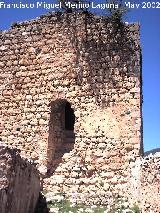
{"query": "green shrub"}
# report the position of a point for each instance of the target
(136, 209)
(59, 203)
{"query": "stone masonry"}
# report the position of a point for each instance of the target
(19, 183)
(144, 183)
(71, 100)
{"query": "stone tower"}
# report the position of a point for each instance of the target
(71, 99)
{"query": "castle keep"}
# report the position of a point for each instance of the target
(71, 100)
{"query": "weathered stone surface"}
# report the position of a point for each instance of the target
(144, 183)
(19, 183)
(91, 64)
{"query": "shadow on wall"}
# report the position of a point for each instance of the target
(119, 45)
(61, 133)
(41, 206)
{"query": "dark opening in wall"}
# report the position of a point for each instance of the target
(61, 132)
(69, 117)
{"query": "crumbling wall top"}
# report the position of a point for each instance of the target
(69, 19)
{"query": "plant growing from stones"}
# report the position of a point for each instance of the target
(58, 203)
(136, 209)
(121, 205)
(115, 13)
(14, 24)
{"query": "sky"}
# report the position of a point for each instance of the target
(149, 19)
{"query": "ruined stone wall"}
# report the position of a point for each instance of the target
(19, 183)
(92, 63)
(144, 185)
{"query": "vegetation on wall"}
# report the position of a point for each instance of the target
(58, 203)
(117, 13)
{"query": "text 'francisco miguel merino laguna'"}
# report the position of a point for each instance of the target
(71, 5)
(45, 5)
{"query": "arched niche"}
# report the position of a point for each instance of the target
(61, 132)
